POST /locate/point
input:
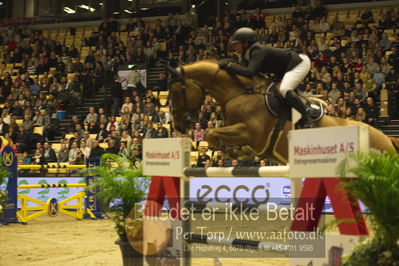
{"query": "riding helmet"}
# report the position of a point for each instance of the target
(243, 35)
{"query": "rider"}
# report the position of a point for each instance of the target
(285, 63)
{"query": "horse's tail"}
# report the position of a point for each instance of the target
(395, 142)
(314, 99)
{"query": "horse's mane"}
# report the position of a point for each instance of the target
(203, 61)
(215, 61)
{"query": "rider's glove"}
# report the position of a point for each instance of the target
(224, 64)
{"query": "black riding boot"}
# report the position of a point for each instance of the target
(298, 104)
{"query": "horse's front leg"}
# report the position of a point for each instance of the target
(229, 139)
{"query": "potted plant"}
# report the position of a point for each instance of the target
(377, 186)
(4, 174)
(3, 194)
(122, 185)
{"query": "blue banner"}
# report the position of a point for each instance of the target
(91, 201)
(10, 160)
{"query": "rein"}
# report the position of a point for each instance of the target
(181, 78)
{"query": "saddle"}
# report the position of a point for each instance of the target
(278, 107)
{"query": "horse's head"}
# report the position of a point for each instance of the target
(186, 97)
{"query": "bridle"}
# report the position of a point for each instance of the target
(178, 75)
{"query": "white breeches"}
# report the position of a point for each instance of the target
(292, 78)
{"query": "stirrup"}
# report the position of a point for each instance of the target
(249, 90)
(308, 123)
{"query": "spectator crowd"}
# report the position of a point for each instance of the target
(352, 61)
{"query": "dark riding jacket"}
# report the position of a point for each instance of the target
(266, 60)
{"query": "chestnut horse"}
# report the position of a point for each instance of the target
(247, 120)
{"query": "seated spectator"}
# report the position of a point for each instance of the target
(49, 155)
(164, 117)
(367, 16)
(28, 124)
(349, 114)
(92, 113)
(127, 103)
(359, 91)
(92, 126)
(75, 137)
(135, 149)
(126, 114)
(6, 140)
(372, 112)
(37, 157)
(26, 159)
(207, 163)
(297, 13)
(149, 107)
(102, 134)
(16, 109)
(161, 131)
(162, 83)
(96, 152)
(115, 138)
(72, 152)
(86, 137)
(361, 115)
(379, 77)
(370, 85)
(112, 123)
(126, 138)
(137, 124)
(44, 121)
(112, 148)
(74, 121)
(235, 163)
(84, 148)
(149, 131)
(22, 140)
(3, 126)
(79, 130)
(137, 104)
(219, 163)
(198, 133)
(202, 158)
(124, 150)
(6, 116)
(216, 158)
(319, 11)
(103, 119)
(371, 66)
(63, 154)
(357, 103)
(79, 160)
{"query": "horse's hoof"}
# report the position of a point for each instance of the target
(247, 153)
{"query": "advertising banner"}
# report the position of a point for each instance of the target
(254, 190)
(166, 157)
(123, 74)
(318, 152)
(43, 194)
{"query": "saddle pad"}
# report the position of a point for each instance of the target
(276, 104)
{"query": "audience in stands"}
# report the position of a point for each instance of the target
(353, 58)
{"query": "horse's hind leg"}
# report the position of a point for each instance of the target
(230, 139)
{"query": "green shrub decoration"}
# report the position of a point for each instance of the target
(377, 186)
(121, 183)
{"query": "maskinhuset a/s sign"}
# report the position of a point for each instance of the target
(166, 157)
(318, 152)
